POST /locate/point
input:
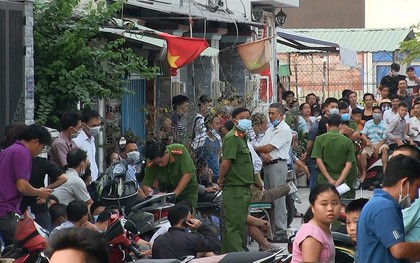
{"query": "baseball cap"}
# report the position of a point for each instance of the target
(410, 68)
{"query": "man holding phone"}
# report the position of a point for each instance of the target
(179, 241)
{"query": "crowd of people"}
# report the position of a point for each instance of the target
(252, 157)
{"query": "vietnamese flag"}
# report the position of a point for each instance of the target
(182, 50)
(256, 55)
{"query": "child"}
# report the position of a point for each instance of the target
(356, 115)
(353, 210)
(384, 91)
(313, 242)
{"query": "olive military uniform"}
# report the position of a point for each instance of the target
(353, 171)
(335, 150)
(180, 163)
(236, 189)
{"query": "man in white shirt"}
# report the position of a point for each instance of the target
(391, 113)
(274, 151)
(199, 128)
(91, 123)
(75, 187)
(415, 124)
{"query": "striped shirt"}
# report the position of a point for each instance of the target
(375, 133)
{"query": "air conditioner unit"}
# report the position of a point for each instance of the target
(217, 88)
(178, 88)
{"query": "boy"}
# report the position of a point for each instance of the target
(384, 91)
(356, 115)
(353, 210)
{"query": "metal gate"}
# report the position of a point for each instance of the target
(132, 108)
(12, 65)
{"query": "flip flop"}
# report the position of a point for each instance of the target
(298, 215)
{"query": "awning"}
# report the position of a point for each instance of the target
(299, 42)
(138, 36)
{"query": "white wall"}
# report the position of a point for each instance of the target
(391, 13)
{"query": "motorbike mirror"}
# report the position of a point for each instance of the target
(122, 142)
(130, 226)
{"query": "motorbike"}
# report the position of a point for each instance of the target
(30, 241)
(122, 248)
(151, 214)
(208, 209)
(274, 256)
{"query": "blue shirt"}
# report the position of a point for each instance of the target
(380, 226)
(211, 149)
(375, 133)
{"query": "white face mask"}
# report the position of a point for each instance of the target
(334, 111)
(94, 131)
(134, 156)
(74, 135)
(406, 201)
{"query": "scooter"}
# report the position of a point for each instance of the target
(209, 207)
(30, 241)
(274, 256)
(151, 214)
(121, 246)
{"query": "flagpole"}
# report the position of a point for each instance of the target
(195, 92)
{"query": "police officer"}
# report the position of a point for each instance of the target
(172, 167)
(236, 177)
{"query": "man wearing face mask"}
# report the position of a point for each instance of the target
(374, 136)
(75, 187)
(330, 106)
(380, 228)
(391, 80)
(199, 128)
(274, 151)
(71, 125)
(133, 157)
(236, 175)
(91, 123)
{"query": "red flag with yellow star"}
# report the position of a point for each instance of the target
(256, 55)
(182, 50)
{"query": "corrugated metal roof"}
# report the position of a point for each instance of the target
(359, 39)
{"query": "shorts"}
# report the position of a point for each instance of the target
(369, 150)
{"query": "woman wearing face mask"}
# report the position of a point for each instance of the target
(313, 242)
(211, 149)
(305, 119)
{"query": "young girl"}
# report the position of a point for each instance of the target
(313, 242)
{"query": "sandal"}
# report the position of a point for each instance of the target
(298, 215)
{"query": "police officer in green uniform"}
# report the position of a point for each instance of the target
(236, 177)
(334, 154)
(173, 169)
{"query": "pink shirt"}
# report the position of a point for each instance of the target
(328, 249)
(59, 149)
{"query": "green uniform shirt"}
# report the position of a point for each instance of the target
(180, 163)
(235, 148)
(335, 150)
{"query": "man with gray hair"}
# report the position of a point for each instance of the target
(274, 151)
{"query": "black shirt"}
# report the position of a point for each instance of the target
(366, 117)
(40, 167)
(392, 83)
(178, 242)
(322, 125)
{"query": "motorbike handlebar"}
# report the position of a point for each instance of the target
(135, 251)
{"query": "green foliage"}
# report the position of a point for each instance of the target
(73, 60)
(411, 48)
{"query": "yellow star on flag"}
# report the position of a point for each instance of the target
(172, 60)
